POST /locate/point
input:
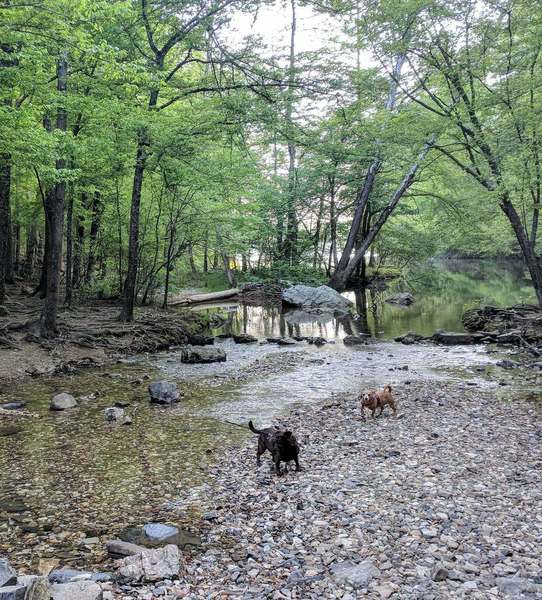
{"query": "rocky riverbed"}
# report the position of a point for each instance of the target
(442, 502)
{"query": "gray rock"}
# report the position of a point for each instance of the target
(159, 534)
(410, 338)
(439, 574)
(80, 590)
(163, 392)
(12, 592)
(355, 340)
(244, 338)
(120, 549)
(151, 565)
(8, 575)
(513, 587)
(37, 588)
(196, 355)
(323, 298)
(507, 364)
(18, 404)
(358, 575)
(115, 414)
(66, 575)
(401, 298)
(201, 340)
(449, 338)
(63, 401)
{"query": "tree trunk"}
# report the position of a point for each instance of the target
(290, 241)
(54, 214)
(93, 236)
(30, 252)
(531, 259)
(69, 254)
(191, 259)
(78, 253)
(340, 278)
(5, 184)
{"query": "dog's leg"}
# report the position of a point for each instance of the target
(276, 461)
(260, 451)
(381, 409)
(373, 413)
(297, 465)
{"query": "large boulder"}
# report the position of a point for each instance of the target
(8, 575)
(62, 401)
(151, 565)
(323, 298)
(37, 588)
(401, 298)
(201, 355)
(164, 392)
(82, 590)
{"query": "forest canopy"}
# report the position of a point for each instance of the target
(146, 145)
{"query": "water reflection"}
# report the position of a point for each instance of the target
(443, 291)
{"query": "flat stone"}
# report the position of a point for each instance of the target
(66, 575)
(450, 338)
(12, 592)
(8, 575)
(120, 549)
(62, 401)
(358, 575)
(76, 590)
(322, 298)
(151, 565)
(202, 355)
(244, 338)
(16, 405)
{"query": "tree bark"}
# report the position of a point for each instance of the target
(5, 184)
(54, 214)
(93, 236)
(69, 254)
(340, 278)
(79, 243)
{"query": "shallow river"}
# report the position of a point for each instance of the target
(74, 472)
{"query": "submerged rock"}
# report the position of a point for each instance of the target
(401, 298)
(410, 338)
(16, 405)
(323, 298)
(8, 575)
(152, 535)
(244, 338)
(63, 401)
(202, 355)
(163, 392)
(151, 565)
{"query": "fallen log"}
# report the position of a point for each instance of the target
(210, 297)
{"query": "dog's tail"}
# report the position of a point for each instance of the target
(252, 428)
(387, 388)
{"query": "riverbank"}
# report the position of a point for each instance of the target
(90, 336)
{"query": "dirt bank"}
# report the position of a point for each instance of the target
(90, 335)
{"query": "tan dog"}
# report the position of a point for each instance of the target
(374, 399)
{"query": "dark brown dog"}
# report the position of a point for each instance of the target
(280, 442)
(374, 399)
